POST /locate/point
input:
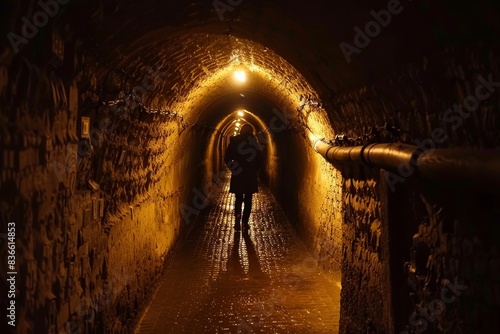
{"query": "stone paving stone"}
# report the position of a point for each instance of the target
(260, 281)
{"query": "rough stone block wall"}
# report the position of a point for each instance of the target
(442, 242)
(364, 305)
(309, 190)
(451, 262)
(416, 97)
(327, 237)
(95, 217)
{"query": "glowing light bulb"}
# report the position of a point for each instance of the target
(241, 113)
(240, 76)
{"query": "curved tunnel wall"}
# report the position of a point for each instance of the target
(97, 221)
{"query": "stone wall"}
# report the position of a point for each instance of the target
(309, 190)
(415, 98)
(96, 217)
(439, 236)
(365, 302)
(451, 261)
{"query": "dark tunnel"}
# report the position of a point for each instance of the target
(378, 208)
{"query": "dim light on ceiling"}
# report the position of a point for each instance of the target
(240, 76)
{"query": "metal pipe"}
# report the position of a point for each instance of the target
(479, 166)
(445, 165)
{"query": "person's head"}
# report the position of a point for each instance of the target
(246, 129)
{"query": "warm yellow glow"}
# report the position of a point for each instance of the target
(312, 137)
(316, 142)
(240, 76)
(270, 83)
(238, 124)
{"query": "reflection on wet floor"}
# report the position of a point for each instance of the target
(260, 281)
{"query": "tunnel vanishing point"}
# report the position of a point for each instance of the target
(379, 123)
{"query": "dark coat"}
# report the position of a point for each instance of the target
(244, 158)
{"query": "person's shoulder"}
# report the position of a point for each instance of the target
(237, 139)
(234, 139)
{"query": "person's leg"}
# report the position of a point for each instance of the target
(247, 210)
(237, 210)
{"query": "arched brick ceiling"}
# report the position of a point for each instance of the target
(306, 34)
(190, 40)
(231, 102)
(295, 43)
(198, 69)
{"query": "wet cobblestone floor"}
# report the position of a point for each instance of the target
(260, 281)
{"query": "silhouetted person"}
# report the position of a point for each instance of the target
(244, 158)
